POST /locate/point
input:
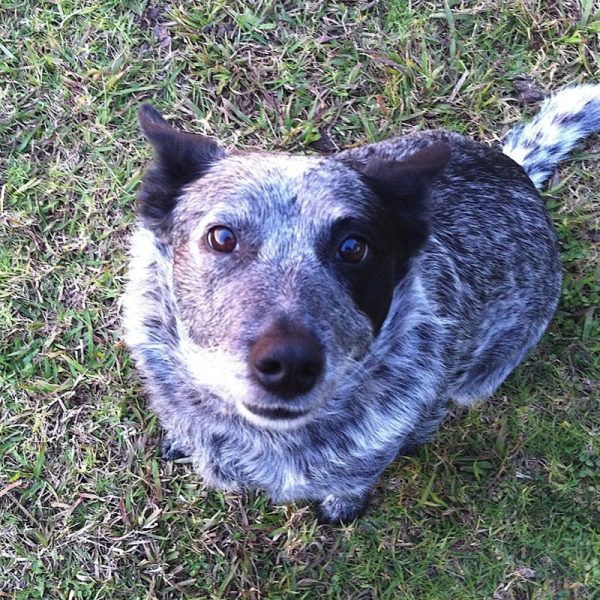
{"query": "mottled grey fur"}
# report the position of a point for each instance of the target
(471, 285)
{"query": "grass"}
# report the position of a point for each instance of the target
(504, 504)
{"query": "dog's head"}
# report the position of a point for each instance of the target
(284, 266)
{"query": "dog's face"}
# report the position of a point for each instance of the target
(284, 266)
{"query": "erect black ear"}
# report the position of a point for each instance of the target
(180, 159)
(408, 180)
(404, 187)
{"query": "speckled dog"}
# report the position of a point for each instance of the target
(299, 321)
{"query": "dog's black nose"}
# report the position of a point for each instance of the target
(287, 363)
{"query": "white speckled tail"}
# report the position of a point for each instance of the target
(562, 122)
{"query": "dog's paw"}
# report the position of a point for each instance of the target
(409, 450)
(173, 449)
(341, 509)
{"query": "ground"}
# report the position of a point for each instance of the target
(504, 504)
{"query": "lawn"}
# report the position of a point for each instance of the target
(503, 505)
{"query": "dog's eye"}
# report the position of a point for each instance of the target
(221, 239)
(353, 250)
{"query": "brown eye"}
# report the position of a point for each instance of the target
(353, 250)
(221, 239)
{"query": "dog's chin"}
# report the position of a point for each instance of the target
(275, 418)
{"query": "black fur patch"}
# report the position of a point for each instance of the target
(404, 187)
(371, 281)
(396, 227)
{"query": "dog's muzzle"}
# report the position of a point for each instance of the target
(287, 362)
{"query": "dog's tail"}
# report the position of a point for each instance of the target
(563, 120)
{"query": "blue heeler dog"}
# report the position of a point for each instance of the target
(300, 321)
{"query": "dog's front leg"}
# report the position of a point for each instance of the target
(348, 502)
(173, 449)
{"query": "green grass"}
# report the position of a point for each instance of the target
(504, 504)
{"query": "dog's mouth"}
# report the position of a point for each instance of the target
(276, 414)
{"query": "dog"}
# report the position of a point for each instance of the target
(301, 321)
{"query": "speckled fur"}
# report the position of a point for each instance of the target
(562, 121)
(467, 306)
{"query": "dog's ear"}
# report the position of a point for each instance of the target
(404, 186)
(180, 159)
(407, 180)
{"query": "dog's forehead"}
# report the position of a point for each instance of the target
(313, 187)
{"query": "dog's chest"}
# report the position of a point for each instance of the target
(237, 463)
